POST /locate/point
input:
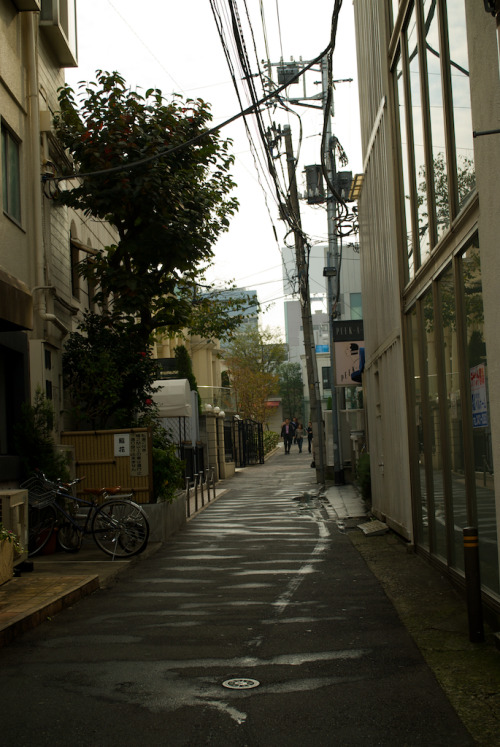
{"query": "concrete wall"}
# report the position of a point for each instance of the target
(165, 519)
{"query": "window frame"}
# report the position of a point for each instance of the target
(8, 141)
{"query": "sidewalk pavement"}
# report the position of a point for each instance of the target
(59, 579)
(430, 608)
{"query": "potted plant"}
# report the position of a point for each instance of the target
(9, 544)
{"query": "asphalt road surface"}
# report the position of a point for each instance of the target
(263, 592)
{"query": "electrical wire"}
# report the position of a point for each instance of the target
(249, 80)
(211, 131)
(218, 20)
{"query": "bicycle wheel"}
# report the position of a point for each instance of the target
(69, 538)
(41, 522)
(120, 528)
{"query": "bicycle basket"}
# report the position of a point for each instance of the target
(40, 491)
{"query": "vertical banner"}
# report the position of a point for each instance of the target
(479, 399)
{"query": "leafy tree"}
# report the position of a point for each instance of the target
(184, 366)
(253, 359)
(109, 374)
(260, 350)
(291, 388)
(151, 169)
(216, 314)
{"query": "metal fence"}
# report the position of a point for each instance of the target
(248, 442)
(229, 447)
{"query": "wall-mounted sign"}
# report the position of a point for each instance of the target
(346, 362)
(121, 444)
(350, 330)
(139, 462)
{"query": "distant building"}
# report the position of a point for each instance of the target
(251, 308)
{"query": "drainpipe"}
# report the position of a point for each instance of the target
(40, 301)
(41, 308)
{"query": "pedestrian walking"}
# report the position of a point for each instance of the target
(309, 436)
(287, 431)
(299, 436)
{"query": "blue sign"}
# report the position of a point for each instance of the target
(322, 348)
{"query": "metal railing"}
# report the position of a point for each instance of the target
(218, 396)
(197, 486)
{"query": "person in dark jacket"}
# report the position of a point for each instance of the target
(287, 431)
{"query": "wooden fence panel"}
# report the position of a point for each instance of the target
(115, 457)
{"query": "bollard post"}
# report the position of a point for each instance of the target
(188, 499)
(195, 478)
(473, 584)
(207, 480)
(213, 481)
(202, 490)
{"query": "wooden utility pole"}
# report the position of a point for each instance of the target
(305, 308)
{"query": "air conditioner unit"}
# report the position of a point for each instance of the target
(58, 23)
(27, 4)
(14, 516)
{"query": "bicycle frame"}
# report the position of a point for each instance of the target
(92, 506)
(118, 525)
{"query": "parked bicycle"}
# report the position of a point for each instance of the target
(118, 525)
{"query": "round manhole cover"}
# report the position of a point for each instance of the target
(240, 683)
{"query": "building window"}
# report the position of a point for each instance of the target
(355, 304)
(326, 375)
(11, 176)
(481, 488)
(431, 76)
(75, 277)
(454, 484)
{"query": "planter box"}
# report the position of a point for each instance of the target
(165, 518)
(6, 561)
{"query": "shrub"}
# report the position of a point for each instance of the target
(271, 440)
(168, 473)
(168, 469)
(35, 442)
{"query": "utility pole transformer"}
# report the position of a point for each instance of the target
(305, 308)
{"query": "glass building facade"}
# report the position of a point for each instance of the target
(440, 249)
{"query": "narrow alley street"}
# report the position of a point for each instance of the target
(260, 625)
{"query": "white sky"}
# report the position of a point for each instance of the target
(175, 46)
